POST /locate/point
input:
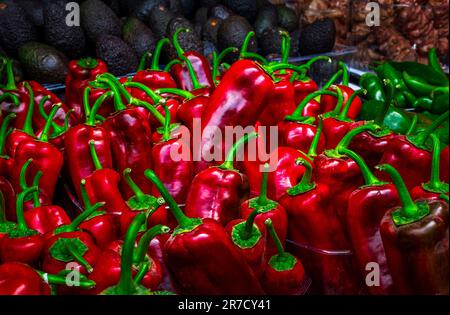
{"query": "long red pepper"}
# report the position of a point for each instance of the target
(366, 207)
(5, 225)
(201, 256)
(415, 238)
(5, 161)
(9, 196)
(30, 201)
(20, 279)
(217, 192)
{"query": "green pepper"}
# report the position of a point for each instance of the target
(440, 101)
(387, 72)
(374, 87)
(418, 86)
(423, 103)
(427, 73)
(433, 62)
(397, 120)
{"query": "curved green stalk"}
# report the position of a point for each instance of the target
(369, 178)
(306, 184)
(14, 98)
(23, 174)
(3, 131)
(166, 133)
(435, 184)
(332, 80)
(92, 117)
(37, 178)
(178, 92)
(28, 125)
(297, 114)
(217, 60)
(343, 115)
(312, 152)
(21, 223)
(229, 160)
(144, 60)
(144, 242)
(153, 95)
(157, 53)
(420, 139)
(45, 135)
(10, 80)
(176, 43)
(95, 159)
(174, 62)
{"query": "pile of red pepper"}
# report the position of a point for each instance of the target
(345, 206)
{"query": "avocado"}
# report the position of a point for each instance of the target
(114, 5)
(201, 16)
(189, 41)
(97, 19)
(119, 57)
(219, 12)
(138, 36)
(318, 37)
(208, 50)
(184, 8)
(232, 33)
(260, 4)
(159, 18)
(271, 41)
(43, 63)
(287, 18)
(68, 39)
(210, 30)
(142, 8)
(267, 19)
(295, 42)
(15, 27)
(245, 8)
(34, 10)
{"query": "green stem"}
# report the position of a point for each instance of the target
(315, 142)
(37, 178)
(94, 155)
(369, 178)
(333, 79)
(318, 58)
(273, 234)
(10, 80)
(157, 53)
(413, 125)
(117, 90)
(166, 134)
(88, 208)
(422, 138)
(340, 103)
(86, 105)
(133, 186)
(183, 221)
(3, 130)
(306, 184)
(23, 174)
(254, 56)
(178, 92)
(78, 257)
(145, 240)
(21, 223)
(345, 75)
(56, 128)
(435, 184)
(286, 46)
(444, 197)
(171, 64)
(61, 280)
(229, 160)
(218, 60)
(48, 124)
(297, 114)
(160, 118)
(246, 42)
(286, 66)
(176, 43)
(262, 199)
(144, 60)
(143, 268)
(14, 98)
(247, 231)
(88, 63)
(91, 118)
(28, 125)
(195, 83)
(153, 95)
(354, 132)
(343, 115)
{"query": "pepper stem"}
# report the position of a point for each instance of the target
(166, 134)
(145, 240)
(86, 105)
(48, 124)
(78, 257)
(306, 184)
(157, 53)
(369, 178)
(56, 128)
(345, 75)
(88, 208)
(169, 66)
(21, 223)
(229, 160)
(315, 142)
(422, 138)
(413, 126)
(91, 117)
(23, 174)
(28, 125)
(273, 234)
(3, 130)
(133, 186)
(178, 92)
(144, 60)
(343, 115)
(88, 63)
(262, 199)
(10, 80)
(345, 142)
(117, 90)
(285, 46)
(195, 83)
(84, 283)
(154, 96)
(332, 80)
(247, 231)
(218, 60)
(435, 184)
(297, 114)
(37, 178)
(176, 43)
(246, 42)
(94, 155)
(11, 96)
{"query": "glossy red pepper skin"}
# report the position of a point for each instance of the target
(217, 194)
(20, 279)
(77, 80)
(419, 192)
(176, 175)
(20, 110)
(238, 100)
(9, 196)
(173, 105)
(46, 219)
(27, 250)
(160, 216)
(299, 136)
(78, 155)
(102, 228)
(103, 186)
(417, 253)
(192, 109)
(280, 104)
(312, 109)
(371, 147)
(205, 261)
(155, 79)
(328, 102)
(46, 158)
(405, 157)
(313, 223)
(444, 171)
(303, 89)
(335, 129)
(284, 282)
(366, 208)
(130, 143)
(12, 142)
(201, 67)
(54, 266)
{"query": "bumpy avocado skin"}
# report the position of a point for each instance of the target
(43, 63)
(119, 57)
(210, 30)
(158, 20)
(98, 19)
(287, 18)
(318, 38)
(189, 41)
(232, 33)
(137, 35)
(245, 8)
(267, 19)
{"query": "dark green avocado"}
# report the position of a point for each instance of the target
(267, 19)
(15, 27)
(201, 16)
(210, 30)
(68, 39)
(232, 33)
(159, 19)
(318, 38)
(188, 41)
(98, 19)
(138, 36)
(271, 41)
(142, 8)
(287, 18)
(43, 63)
(184, 8)
(120, 58)
(245, 8)
(34, 10)
(219, 12)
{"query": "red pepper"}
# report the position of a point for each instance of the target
(176, 174)
(433, 189)
(266, 209)
(199, 62)
(329, 103)
(5, 161)
(415, 238)
(22, 244)
(444, 164)
(249, 241)
(81, 72)
(5, 226)
(141, 202)
(77, 148)
(9, 197)
(407, 153)
(313, 224)
(239, 98)
(20, 279)
(284, 273)
(103, 186)
(201, 257)
(68, 244)
(154, 77)
(217, 63)
(217, 192)
(366, 207)
(45, 158)
(107, 271)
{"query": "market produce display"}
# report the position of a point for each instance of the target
(114, 183)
